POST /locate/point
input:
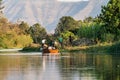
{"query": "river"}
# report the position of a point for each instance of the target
(68, 66)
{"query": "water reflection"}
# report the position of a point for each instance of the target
(72, 66)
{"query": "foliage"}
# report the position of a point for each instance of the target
(66, 23)
(12, 36)
(24, 27)
(88, 19)
(37, 32)
(89, 30)
(32, 47)
(110, 16)
(107, 37)
(23, 40)
(19, 35)
(66, 35)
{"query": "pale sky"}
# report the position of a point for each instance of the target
(71, 0)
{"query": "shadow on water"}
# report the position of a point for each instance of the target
(69, 66)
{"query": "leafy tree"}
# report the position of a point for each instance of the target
(66, 23)
(88, 19)
(12, 36)
(110, 16)
(66, 35)
(89, 30)
(37, 32)
(24, 27)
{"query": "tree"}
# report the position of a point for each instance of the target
(11, 35)
(66, 36)
(66, 23)
(110, 16)
(37, 32)
(24, 27)
(89, 19)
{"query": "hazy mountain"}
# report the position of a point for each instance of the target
(48, 12)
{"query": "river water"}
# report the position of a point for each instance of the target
(68, 66)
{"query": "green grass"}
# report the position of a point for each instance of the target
(31, 49)
(106, 48)
(109, 48)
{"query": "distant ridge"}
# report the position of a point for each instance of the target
(48, 12)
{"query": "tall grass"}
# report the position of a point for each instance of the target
(89, 30)
(96, 32)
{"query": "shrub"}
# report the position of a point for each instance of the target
(108, 37)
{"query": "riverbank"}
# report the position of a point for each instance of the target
(89, 49)
(109, 48)
(11, 50)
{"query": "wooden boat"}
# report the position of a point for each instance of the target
(50, 52)
(54, 51)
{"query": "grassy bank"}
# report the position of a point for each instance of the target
(110, 48)
(89, 49)
(32, 48)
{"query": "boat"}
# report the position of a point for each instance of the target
(50, 52)
(54, 51)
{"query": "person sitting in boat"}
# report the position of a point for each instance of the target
(55, 44)
(43, 42)
(44, 47)
(53, 48)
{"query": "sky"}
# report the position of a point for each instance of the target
(71, 0)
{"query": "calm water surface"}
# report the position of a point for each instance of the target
(69, 66)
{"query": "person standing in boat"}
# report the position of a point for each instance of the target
(61, 41)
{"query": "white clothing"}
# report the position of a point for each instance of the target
(43, 41)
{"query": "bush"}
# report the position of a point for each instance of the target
(32, 47)
(66, 35)
(91, 31)
(108, 37)
(23, 40)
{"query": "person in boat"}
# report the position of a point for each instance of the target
(43, 42)
(53, 49)
(44, 46)
(52, 44)
(61, 41)
(55, 44)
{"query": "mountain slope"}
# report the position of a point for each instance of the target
(48, 12)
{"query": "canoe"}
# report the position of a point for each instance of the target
(54, 51)
(50, 52)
